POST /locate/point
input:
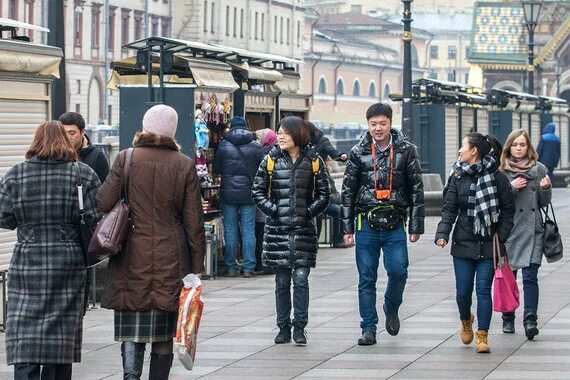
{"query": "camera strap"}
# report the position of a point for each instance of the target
(373, 146)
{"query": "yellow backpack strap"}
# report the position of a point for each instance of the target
(315, 164)
(270, 167)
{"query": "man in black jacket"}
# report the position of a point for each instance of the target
(89, 154)
(237, 160)
(383, 192)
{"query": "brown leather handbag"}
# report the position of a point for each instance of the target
(111, 232)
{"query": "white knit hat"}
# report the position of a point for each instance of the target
(161, 120)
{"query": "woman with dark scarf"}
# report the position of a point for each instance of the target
(478, 199)
(532, 190)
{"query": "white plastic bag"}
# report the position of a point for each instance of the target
(190, 310)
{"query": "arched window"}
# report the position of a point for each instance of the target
(340, 86)
(322, 86)
(372, 90)
(356, 88)
(387, 90)
(415, 60)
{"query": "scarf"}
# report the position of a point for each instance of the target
(517, 165)
(483, 209)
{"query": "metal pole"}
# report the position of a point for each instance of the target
(56, 37)
(531, 60)
(106, 64)
(407, 90)
(146, 32)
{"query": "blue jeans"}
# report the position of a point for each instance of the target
(466, 272)
(369, 242)
(530, 286)
(300, 278)
(238, 217)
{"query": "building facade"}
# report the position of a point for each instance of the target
(375, 7)
(88, 31)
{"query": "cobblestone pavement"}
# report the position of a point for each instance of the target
(238, 327)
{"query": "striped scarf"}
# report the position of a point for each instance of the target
(483, 200)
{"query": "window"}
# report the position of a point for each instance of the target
(451, 76)
(241, 23)
(29, 15)
(78, 108)
(451, 52)
(467, 50)
(78, 28)
(13, 9)
(227, 20)
(322, 86)
(78, 84)
(433, 75)
(155, 25)
(387, 90)
(263, 27)
(466, 78)
(256, 25)
(372, 90)
(288, 32)
(340, 86)
(205, 16)
(125, 20)
(275, 28)
(213, 17)
(166, 27)
(110, 114)
(433, 52)
(298, 33)
(111, 29)
(356, 88)
(138, 25)
(235, 22)
(95, 25)
(281, 30)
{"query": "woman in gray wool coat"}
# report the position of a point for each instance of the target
(39, 198)
(532, 188)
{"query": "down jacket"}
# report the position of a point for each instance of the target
(466, 244)
(290, 238)
(167, 240)
(407, 186)
(237, 160)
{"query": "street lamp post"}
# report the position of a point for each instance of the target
(407, 90)
(558, 72)
(531, 14)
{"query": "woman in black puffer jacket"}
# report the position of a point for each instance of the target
(291, 195)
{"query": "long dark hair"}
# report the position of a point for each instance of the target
(485, 145)
(314, 132)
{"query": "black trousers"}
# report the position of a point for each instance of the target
(42, 372)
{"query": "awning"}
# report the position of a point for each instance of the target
(288, 84)
(23, 57)
(259, 74)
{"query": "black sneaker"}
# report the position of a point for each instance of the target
(284, 335)
(368, 338)
(248, 274)
(299, 335)
(393, 324)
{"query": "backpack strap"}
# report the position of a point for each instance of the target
(316, 165)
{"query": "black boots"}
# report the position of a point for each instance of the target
(530, 323)
(509, 323)
(299, 335)
(392, 324)
(368, 338)
(284, 335)
(133, 358)
(160, 366)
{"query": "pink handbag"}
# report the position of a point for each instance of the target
(505, 288)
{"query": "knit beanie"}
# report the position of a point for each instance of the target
(161, 120)
(238, 122)
(269, 138)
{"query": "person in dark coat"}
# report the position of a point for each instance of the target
(89, 154)
(532, 190)
(478, 199)
(548, 149)
(166, 243)
(38, 197)
(383, 190)
(237, 160)
(323, 145)
(291, 196)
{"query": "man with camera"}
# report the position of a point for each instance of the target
(382, 197)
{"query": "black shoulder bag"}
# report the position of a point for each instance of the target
(86, 232)
(552, 245)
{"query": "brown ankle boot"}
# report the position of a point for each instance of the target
(467, 330)
(482, 344)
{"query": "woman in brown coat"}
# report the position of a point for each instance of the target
(165, 244)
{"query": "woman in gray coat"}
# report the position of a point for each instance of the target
(39, 198)
(532, 188)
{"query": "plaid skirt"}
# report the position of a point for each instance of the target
(145, 326)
